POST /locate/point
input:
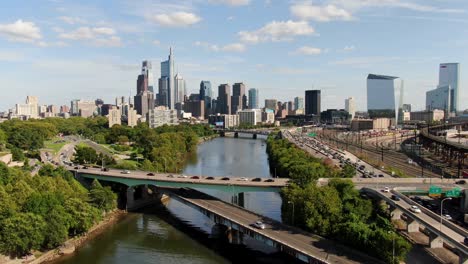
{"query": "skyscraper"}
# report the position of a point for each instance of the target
(239, 100)
(253, 98)
(384, 96)
(312, 102)
(206, 94)
(167, 71)
(224, 99)
(298, 103)
(449, 74)
(350, 106)
(147, 70)
(179, 88)
(439, 98)
(144, 100)
(163, 97)
(271, 104)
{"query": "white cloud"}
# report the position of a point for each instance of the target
(307, 50)
(277, 31)
(349, 48)
(100, 36)
(176, 19)
(21, 31)
(234, 47)
(231, 2)
(308, 11)
(355, 5)
(72, 20)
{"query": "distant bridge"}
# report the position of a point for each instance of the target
(253, 132)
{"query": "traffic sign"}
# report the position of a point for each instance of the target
(435, 191)
(455, 192)
(313, 134)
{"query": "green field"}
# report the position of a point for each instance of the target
(55, 144)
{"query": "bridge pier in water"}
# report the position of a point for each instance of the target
(141, 196)
(238, 199)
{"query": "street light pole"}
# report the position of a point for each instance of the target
(290, 202)
(441, 210)
(393, 244)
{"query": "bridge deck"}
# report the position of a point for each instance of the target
(303, 242)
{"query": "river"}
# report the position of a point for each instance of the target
(180, 234)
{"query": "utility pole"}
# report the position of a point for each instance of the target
(382, 152)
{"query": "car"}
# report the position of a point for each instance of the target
(395, 197)
(243, 179)
(125, 172)
(77, 168)
(195, 177)
(150, 174)
(170, 176)
(269, 180)
(256, 179)
(225, 179)
(84, 167)
(460, 182)
(386, 189)
(182, 176)
(381, 176)
(465, 241)
(209, 178)
(448, 217)
(415, 209)
(259, 225)
(105, 169)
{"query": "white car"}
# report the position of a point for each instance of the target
(182, 176)
(259, 225)
(448, 217)
(125, 172)
(415, 209)
(243, 179)
(386, 189)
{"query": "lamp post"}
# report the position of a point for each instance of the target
(290, 202)
(164, 164)
(441, 210)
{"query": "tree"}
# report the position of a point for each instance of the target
(3, 139)
(17, 154)
(102, 197)
(21, 233)
(85, 155)
(83, 215)
(4, 174)
(348, 171)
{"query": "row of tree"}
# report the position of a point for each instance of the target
(335, 211)
(41, 212)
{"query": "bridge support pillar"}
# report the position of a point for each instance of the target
(234, 236)
(236, 134)
(130, 198)
(412, 226)
(435, 241)
(254, 136)
(396, 214)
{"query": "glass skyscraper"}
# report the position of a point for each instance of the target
(449, 74)
(253, 98)
(384, 96)
(167, 71)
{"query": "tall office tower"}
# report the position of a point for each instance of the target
(224, 99)
(350, 107)
(74, 110)
(167, 71)
(163, 96)
(253, 98)
(439, 98)
(384, 96)
(290, 106)
(120, 100)
(271, 104)
(132, 117)
(449, 74)
(206, 94)
(179, 89)
(312, 102)
(298, 103)
(144, 100)
(239, 99)
(147, 70)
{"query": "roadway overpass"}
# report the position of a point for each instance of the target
(237, 223)
(253, 132)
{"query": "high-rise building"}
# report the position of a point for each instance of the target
(312, 102)
(147, 70)
(239, 99)
(384, 96)
(271, 104)
(144, 100)
(163, 95)
(250, 116)
(167, 71)
(439, 98)
(179, 89)
(224, 99)
(132, 117)
(30, 108)
(158, 117)
(253, 98)
(86, 108)
(350, 106)
(114, 116)
(298, 103)
(196, 107)
(449, 74)
(206, 94)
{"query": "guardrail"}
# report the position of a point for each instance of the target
(460, 230)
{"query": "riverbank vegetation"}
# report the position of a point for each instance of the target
(41, 212)
(336, 211)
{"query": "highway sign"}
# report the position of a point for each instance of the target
(313, 134)
(453, 193)
(435, 191)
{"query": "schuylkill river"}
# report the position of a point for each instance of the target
(180, 234)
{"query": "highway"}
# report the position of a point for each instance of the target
(306, 243)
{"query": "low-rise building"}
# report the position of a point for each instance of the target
(250, 116)
(428, 116)
(367, 124)
(335, 116)
(268, 116)
(224, 121)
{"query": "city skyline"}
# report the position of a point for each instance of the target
(90, 50)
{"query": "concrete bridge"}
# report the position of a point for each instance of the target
(253, 132)
(235, 223)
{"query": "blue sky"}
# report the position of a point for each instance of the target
(61, 50)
